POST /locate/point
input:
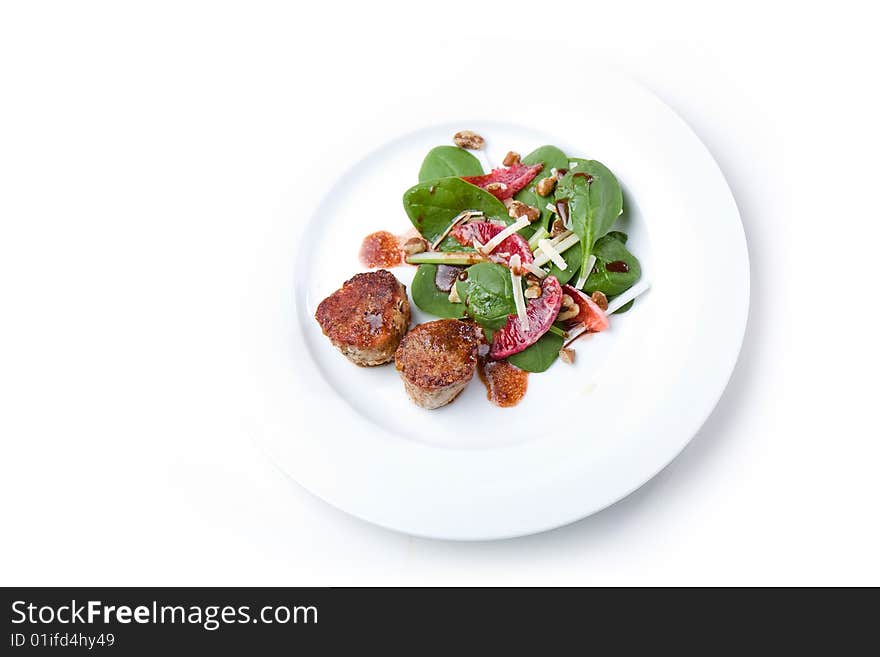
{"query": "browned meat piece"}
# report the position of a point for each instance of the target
(437, 359)
(366, 318)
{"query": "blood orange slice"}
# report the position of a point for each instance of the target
(591, 315)
(483, 231)
(512, 339)
(505, 182)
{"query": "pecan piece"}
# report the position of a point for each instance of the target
(468, 139)
(545, 186)
(517, 209)
(415, 245)
(510, 159)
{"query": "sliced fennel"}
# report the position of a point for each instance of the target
(542, 258)
(624, 298)
(585, 272)
(518, 298)
(460, 258)
(548, 249)
(538, 235)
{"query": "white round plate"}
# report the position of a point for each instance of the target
(585, 435)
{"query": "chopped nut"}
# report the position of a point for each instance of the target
(510, 159)
(517, 209)
(545, 186)
(415, 245)
(557, 228)
(531, 279)
(468, 139)
(600, 300)
(533, 291)
(566, 356)
(496, 187)
(569, 309)
(453, 295)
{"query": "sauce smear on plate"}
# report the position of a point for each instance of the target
(505, 383)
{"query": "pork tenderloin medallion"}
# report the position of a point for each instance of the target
(366, 318)
(436, 360)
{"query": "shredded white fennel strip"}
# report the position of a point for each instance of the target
(621, 300)
(616, 304)
(493, 243)
(559, 238)
(553, 254)
(532, 269)
(461, 216)
(542, 258)
(575, 332)
(585, 272)
(518, 298)
(552, 208)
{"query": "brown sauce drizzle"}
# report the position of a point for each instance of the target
(618, 267)
(562, 210)
(505, 384)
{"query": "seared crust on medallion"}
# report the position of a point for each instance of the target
(366, 318)
(436, 360)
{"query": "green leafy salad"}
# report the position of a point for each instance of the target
(527, 250)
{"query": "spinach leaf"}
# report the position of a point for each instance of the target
(595, 201)
(552, 158)
(445, 161)
(431, 206)
(539, 356)
(612, 248)
(487, 293)
(429, 298)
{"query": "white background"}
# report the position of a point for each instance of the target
(145, 148)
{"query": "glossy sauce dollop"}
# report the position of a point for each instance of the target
(505, 384)
(380, 249)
